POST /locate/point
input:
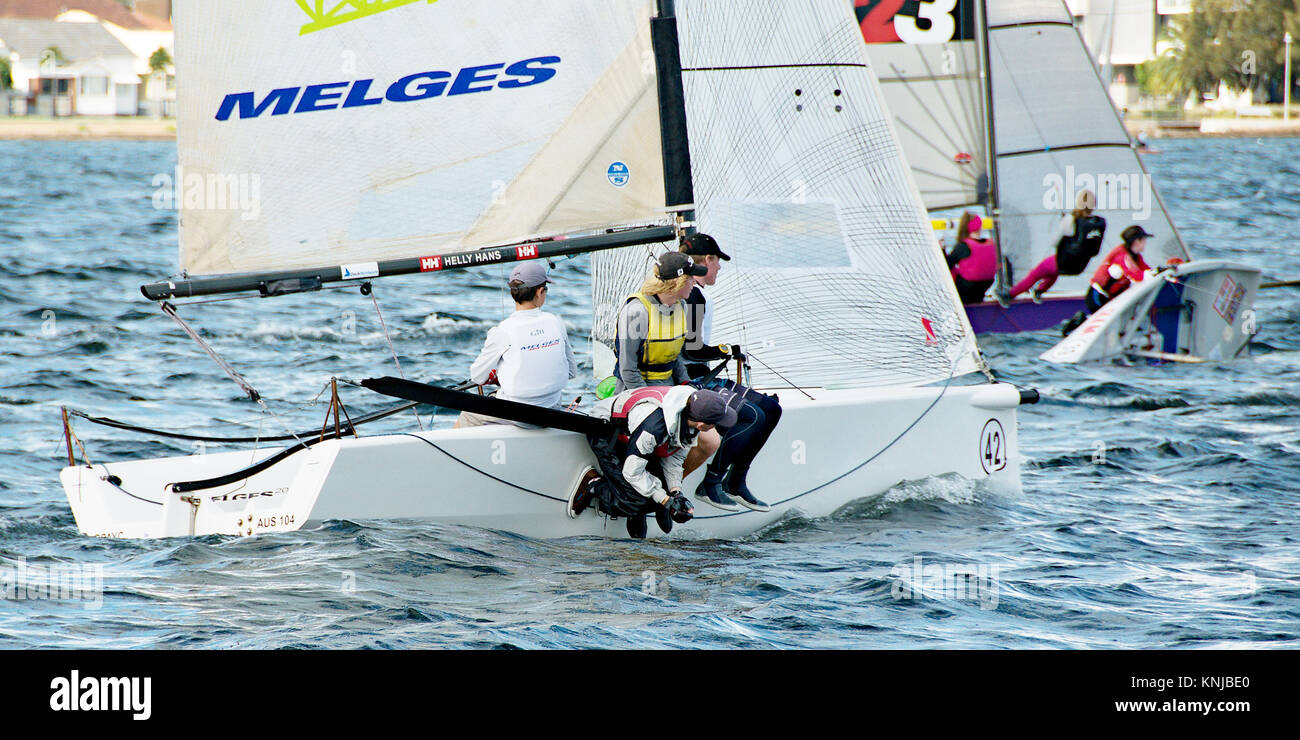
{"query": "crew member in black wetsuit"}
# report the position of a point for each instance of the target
(724, 484)
(1078, 240)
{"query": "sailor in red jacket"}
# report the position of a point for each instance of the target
(1121, 268)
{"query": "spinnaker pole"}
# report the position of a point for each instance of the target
(285, 282)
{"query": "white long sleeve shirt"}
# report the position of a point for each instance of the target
(531, 353)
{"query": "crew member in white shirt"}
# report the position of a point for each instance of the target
(528, 354)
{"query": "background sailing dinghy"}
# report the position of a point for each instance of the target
(1195, 312)
(762, 121)
(1000, 108)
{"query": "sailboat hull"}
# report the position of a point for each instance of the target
(842, 446)
(1023, 315)
(1199, 311)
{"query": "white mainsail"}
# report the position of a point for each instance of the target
(401, 132)
(834, 278)
(1058, 133)
(1056, 129)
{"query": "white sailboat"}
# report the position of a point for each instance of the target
(1019, 130)
(606, 123)
(1196, 312)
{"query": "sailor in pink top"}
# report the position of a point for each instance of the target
(974, 261)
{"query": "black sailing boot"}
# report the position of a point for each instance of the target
(1074, 323)
(736, 487)
(636, 527)
(710, 490)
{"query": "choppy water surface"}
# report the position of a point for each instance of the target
(1159, 505)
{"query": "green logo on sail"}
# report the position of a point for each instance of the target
(346, 11)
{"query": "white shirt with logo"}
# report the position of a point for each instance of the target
(531, 353)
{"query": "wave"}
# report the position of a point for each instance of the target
(1111, 394)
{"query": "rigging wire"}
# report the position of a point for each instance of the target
(352, 424)
(929, 112)
(942, 392)
(375, 298)
(754, 357)
(170, 310)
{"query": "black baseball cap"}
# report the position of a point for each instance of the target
(711, 408)
(701, 244)
(1133, 233)
(672, 265)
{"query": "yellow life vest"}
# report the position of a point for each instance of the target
(663, 342)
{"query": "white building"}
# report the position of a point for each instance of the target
(1122, 34)
(102, 62)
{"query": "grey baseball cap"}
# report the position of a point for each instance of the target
(711, 408)
(531, 273)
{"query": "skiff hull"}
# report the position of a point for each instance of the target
(842, 446)
(1199, 311)
(1022, 315)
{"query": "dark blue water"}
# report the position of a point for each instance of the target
(1159, 505)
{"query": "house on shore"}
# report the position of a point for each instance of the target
(84, 57)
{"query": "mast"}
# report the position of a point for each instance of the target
(673, 133)
(285, 282)
(990, 135)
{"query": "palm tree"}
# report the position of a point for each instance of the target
(160, 60)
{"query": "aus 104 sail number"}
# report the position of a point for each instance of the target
(273, 521)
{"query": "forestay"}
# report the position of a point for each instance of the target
(835, 279)
(413, 129)
(1057, 133)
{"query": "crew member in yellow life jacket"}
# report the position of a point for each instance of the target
(652, 326)
(652, 332)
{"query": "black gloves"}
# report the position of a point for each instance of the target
(679, 508)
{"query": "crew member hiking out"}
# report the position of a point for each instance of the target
(725, 479)
(528, 354)
(642, 463)
(1078, 239)
(973, 261)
